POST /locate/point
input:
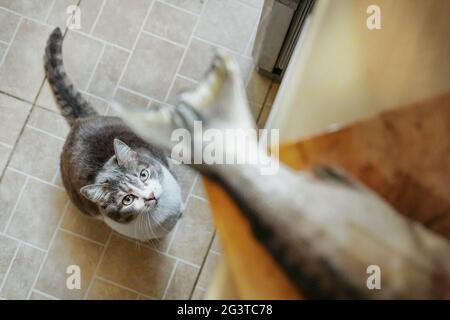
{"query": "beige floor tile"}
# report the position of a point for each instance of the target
(199, 189)
(88, 9)
(162, 244)
(180, 84)
(194, 6)
(199, 57)
(216, 246)
(197, 60)
(79, 223)
(198, 294)
(98, 104)
(21, 73)
(5, 152)
(194, 232)
(161, 22)
(228, 23)
(152, 66)
(185, 177)
(10, 187)
(102, 290)
(253, 3)
(68, 250)
(37, 214)
(3, 48)
(58, 180)
(208, 270)
(255, 110)
(13, 114)
(251, 44)
(182, 282)
(38, 296)
(127, 98)
(23, 272)
(257, 88)
(8, 24)
(137, 268)
(108, 71)
(37, 154)
(46, 99)
(81, 54)
(8, 248)
(131, 15)
(33, 9)
(49, 121)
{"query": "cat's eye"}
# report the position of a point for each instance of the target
(127, 200)
(144, 175)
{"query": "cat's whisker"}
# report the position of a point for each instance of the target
(159, 224)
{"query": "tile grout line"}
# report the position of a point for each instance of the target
(198, 287)
(5, 277)
(199, 198)
(16, 205)
(125, 67)
(44, 132)
(254, 31)
(172, 239)
(125, 287)
(202, 265)
(100, 11)
(263, 104)
(27, 17)
(178, 8)
(55, 177)
(35, 178)
(97, 267)
(220, 46)
(44, 294)
(183, 56)
(47, 16)
(105, 42)
(247, 4)
(165, 254)
(80, 236)
(186, 78)
(140, 94)
(149, 33)
(6, 145)
(33, 104)
(11, 41)
(23, 242)
(94, 70)
(50, 245)
(170, 280)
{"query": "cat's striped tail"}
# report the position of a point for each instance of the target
(73, 105)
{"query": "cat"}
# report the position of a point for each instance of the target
(108, 171)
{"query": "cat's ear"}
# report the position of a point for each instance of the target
(124, 155)
(97, 193)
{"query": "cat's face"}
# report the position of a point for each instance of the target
(129, 184)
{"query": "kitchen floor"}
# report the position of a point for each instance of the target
(139, 52)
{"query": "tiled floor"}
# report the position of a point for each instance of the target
(139, 52)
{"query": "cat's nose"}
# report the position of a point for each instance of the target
(150, 196)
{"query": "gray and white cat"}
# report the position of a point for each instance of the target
(108, 171)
